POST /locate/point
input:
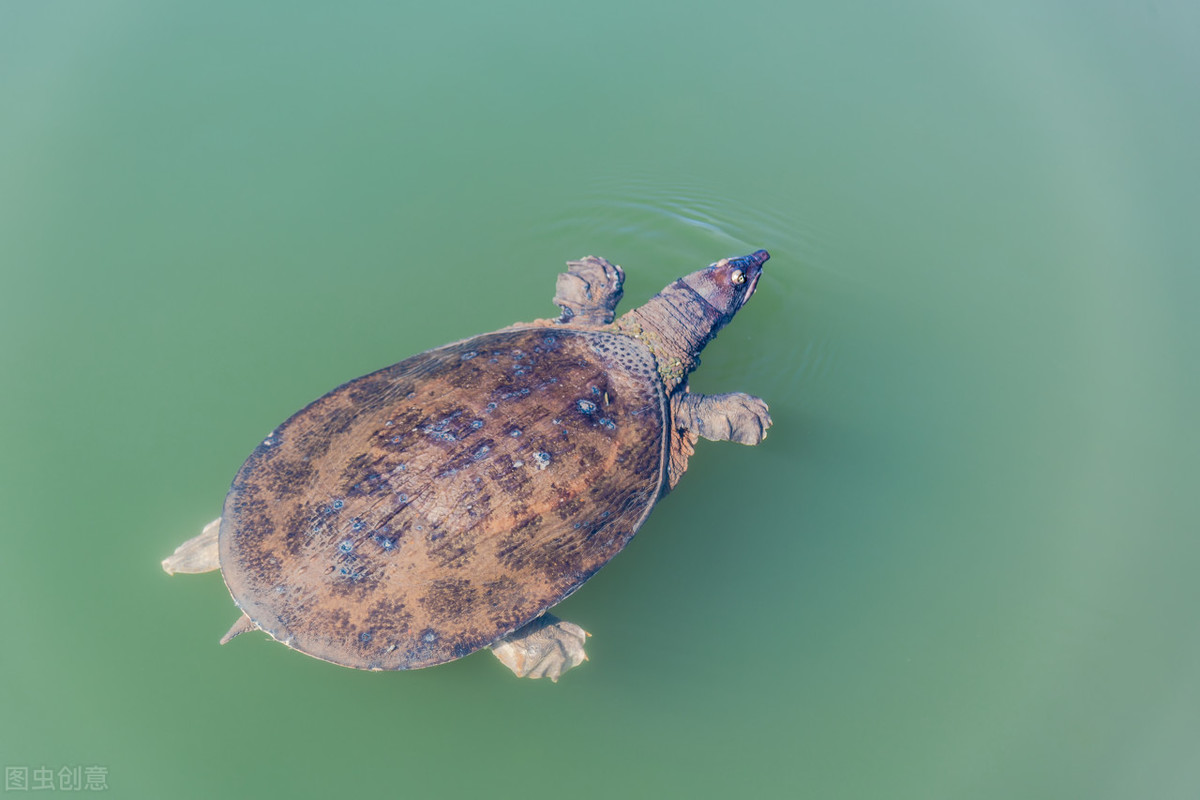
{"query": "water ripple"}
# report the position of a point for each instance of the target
(664, 228)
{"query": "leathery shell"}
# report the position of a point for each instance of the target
(419, 513)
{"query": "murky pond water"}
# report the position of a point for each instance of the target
(963, 564)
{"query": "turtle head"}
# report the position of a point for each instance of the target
(680, 320)
(728, 284)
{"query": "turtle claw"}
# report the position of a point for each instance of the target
(198, 554)
(545, 648)
(588, 292)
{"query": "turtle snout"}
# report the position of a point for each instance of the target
(755, 259)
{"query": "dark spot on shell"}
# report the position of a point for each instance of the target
(449, 598)
(588, 456)
(291, 478)
(568, 505)
(503, 595)
(312, 444)
(339, 421)
(335, 621)
(361, 475)
(388, 618)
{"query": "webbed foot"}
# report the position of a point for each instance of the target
(588, 292)
(546, 647)
(198, 554)
(734, 417)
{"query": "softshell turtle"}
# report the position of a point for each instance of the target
(441, 505)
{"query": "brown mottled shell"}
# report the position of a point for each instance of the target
(419, 513)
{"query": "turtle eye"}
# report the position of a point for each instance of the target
(737, 276)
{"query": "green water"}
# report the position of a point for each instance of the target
(965, 563)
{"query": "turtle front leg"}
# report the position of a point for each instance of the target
(588, 292)
(735, 417)
(198, 554)
(546, 647)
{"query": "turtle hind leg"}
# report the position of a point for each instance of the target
(198, 554)
(588, 292)
(545, 648)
